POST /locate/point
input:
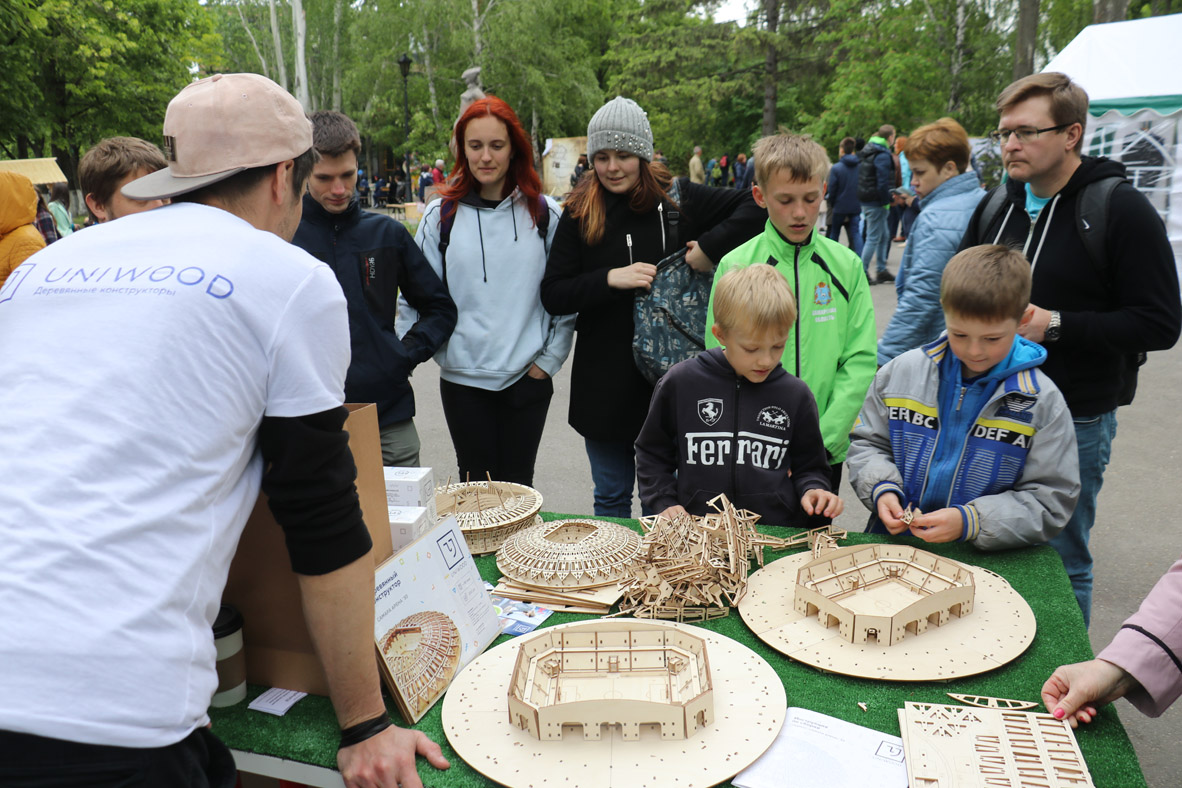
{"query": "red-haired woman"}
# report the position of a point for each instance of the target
(486, 237)
(619, 221)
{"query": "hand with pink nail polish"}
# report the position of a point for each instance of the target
(1074, 691)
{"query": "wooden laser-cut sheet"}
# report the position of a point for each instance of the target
(749, 709)
(970, 747)
(999, 629)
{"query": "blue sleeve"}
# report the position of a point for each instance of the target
(884, 167)
(424, 291)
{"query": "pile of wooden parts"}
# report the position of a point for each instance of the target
(695, 568)
(489, 512)
(569, 565)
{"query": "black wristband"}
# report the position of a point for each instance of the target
(355, 734)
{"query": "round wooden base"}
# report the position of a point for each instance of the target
(749, 708)
(998, 630)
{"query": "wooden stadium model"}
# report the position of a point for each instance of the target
(569, 554)
(421, 653)
(695, 568)
(489, 512)
(880, 592)
(626, 673)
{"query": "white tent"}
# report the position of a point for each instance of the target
(1132, 72)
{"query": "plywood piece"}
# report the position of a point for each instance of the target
(969, 747)
(999, 629)
(987, 702)
(749, 708)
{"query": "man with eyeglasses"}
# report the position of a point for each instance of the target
(1099, 306)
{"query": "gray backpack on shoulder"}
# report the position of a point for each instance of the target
(669, 321)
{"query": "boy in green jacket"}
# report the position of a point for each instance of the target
(832, 346)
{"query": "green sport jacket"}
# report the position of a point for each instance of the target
(832, 347)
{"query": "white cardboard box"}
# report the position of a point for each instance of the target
(408, 523)
(411, 487)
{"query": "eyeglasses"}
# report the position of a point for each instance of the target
(1023, 135)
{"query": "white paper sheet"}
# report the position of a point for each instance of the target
(815, 750)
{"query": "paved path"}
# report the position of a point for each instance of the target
(1134, 541)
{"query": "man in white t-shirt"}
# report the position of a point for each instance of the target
(156, 371)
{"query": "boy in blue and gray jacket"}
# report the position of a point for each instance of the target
(966, 432)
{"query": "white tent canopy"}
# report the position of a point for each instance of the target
(1132, 72)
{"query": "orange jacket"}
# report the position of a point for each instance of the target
(18, 208)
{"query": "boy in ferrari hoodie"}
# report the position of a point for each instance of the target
(733, 421)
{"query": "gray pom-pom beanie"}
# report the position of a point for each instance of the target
(620, 124)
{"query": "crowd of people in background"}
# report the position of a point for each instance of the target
(493, 285)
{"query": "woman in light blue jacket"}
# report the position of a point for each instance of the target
(939, 157)
(487, 239)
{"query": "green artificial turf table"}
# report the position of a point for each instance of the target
(309, 734)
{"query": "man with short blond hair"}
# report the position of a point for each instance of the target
(1105, 286)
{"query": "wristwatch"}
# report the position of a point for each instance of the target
(1054, 328)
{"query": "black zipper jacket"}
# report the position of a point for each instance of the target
(1129, 306)
(760, 443)
(374, 257)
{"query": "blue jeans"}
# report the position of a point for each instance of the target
(1094, 436)
(878, 240)
(853, 228)
(613, 469)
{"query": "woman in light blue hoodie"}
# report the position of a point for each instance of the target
(487, 238)
(939, 155)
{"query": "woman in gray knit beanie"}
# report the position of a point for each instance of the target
(624, 215)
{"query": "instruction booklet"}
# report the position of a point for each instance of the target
(815, 750)
(432, 617)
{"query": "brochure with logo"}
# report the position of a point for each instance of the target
(432, 617)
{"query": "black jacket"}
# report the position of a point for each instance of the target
(374, 257)
(760, 443)
(609, 397)
(1130, 305)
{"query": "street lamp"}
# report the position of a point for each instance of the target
(404, 64)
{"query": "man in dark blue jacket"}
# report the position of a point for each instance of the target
(842, 194)
(374, 257)
(876, 178)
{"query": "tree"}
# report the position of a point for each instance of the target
(1025, 38)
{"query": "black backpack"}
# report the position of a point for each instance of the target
(447, 218)
(868, 175)
(1091, 223)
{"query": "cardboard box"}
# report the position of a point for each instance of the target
(408, 523)
(411, 487)
(262, 586)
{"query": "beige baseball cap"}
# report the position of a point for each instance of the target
(220, 126)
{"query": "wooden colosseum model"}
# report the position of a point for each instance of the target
(626, 673)
(422, 652)
(489, 512)
(569, 554)
(851, 587)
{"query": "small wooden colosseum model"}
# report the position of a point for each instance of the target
(489, 512)
(422, 652)
(614, 672)
(880, 592)
(569, 554)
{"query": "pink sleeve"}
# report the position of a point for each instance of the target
(1149, 646)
